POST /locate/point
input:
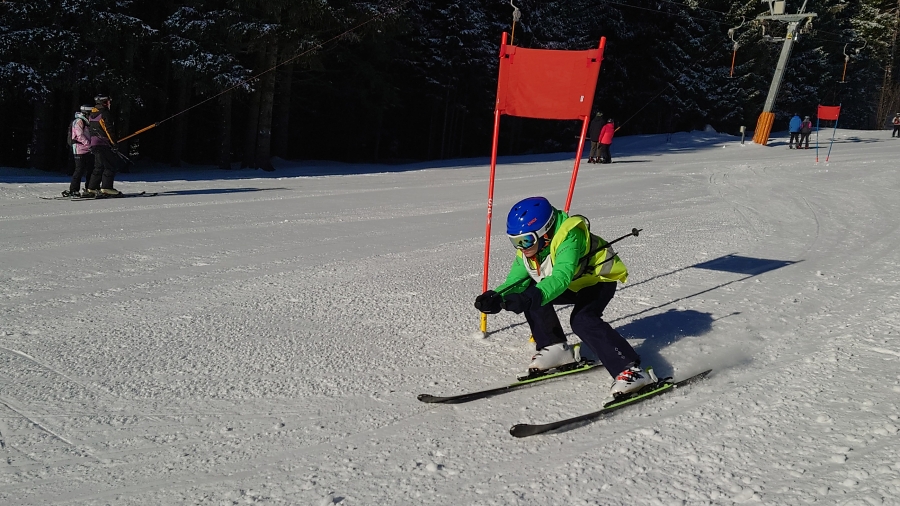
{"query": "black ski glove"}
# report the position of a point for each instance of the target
(521, 302)
(488, 302)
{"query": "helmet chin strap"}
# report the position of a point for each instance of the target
(544, 240)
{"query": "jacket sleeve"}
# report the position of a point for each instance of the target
(107, 126)
(517, 280)
(606, 133)
(78, 131)
(568, 253)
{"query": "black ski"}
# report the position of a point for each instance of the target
(663, 386)
(578, 368)
(119, 196)
(101, 196)
(61, 198)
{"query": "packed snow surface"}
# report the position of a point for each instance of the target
(260, 338)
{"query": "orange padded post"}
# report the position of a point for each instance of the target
(763, 128)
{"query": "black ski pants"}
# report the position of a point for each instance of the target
(106, 164)
(604, 153)
(595, 150)
(84, 165)
(587, 323)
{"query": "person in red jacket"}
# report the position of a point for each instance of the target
(606, 138)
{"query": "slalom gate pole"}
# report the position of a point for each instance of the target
(832, 140)
(817, 140)
(490, 210)
(578, 154)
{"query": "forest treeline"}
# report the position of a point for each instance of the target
(228, 82)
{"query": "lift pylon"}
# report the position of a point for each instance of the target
(776, 13)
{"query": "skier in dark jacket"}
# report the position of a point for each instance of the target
(794, 129)
(594, 136)
(106, 162)
(805, 130)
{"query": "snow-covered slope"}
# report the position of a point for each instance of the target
(256, 338)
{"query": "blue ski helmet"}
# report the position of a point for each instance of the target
(530, 221)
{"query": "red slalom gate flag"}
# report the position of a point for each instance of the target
(829, 112)
(547, 84)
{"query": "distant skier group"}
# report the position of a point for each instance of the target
(800, 130)
(91, 141)
(600, 133)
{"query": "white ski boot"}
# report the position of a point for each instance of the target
(631, 380)
(555, 355)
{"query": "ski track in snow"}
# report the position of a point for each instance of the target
(262, 340)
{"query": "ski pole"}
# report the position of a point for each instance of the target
(123, 157)
(634, 232)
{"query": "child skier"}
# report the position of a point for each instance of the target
(559, 261)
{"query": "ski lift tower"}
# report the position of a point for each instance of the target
(776, 13)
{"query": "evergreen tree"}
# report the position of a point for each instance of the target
(871, 45)
(390, 79)
(204, 63)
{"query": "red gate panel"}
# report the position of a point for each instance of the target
(546, 83)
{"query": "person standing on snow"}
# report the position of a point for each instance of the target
(81, 150)
(559, 261)
(794, 129)
(606, 138)
(106, 162)
(896, 122)
(594, 136)
(805, 130)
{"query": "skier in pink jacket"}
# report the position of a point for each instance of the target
(80, 135)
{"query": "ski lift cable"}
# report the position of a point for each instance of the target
(676, 4)
(643, 107)
(250, 79)
(669, 84)
(516, 16)
(709, 54)
(680, 14)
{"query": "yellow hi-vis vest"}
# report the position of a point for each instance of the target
(592, 267)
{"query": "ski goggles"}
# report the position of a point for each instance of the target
(529, 239)
(523, 241)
